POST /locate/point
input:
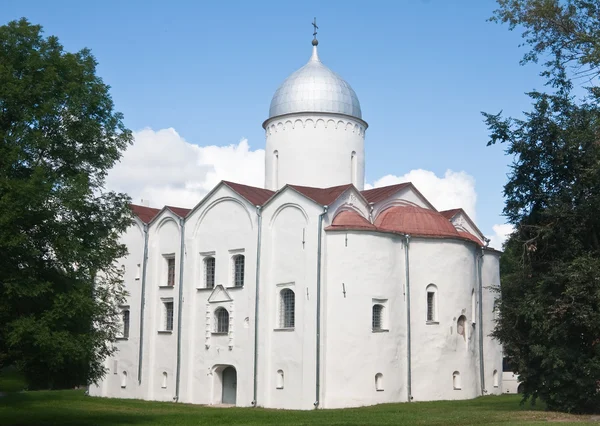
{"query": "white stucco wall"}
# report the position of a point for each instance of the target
(491, 348)
(367, 266)
(314, 150)
(126, 357)
(223, 226)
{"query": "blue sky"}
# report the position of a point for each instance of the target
(423, 71)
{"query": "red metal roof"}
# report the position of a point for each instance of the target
(323, 196)
(179, 211)
(378, 194)
(415, 221)
(449, 214)
(348, 219)
(146, 214)
(470, 236)
(254, 195)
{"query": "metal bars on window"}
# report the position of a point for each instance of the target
(221, 320)
(209, 272)
(171, 271)
(377, 322)
(287, 309)
(126, 323)
(168, 316)
(238, 270)
(430, 306)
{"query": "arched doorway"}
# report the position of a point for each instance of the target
(229, 376)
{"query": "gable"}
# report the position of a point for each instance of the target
(219, 294)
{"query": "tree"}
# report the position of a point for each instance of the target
(549, 319)
(59, 228)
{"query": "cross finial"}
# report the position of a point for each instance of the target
(315, 28)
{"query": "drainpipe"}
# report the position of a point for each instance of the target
(258, 244)
(408, 340)
(180, 309)
(481, 365)
(318, 364)
(143, 303)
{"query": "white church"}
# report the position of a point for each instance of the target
(311, 292)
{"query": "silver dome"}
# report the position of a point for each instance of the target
(315, 88)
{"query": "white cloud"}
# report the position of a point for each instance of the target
(164, 168)
(501, 233)
(453, 190)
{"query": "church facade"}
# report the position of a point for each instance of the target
(311, 292)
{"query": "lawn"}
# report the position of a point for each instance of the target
(72, 407)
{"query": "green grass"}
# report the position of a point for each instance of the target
(72, 407)
(11, 380)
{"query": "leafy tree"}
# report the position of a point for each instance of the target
(550, 308)
(59, 284)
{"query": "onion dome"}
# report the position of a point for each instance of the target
(315, 88)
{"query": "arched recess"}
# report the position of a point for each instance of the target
(353, 168)
(275, 170)
(212, 205)
(288, 206)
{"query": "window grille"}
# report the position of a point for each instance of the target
(221, 321)
(168, 316)
(287, 309)
(171, 272)
(126, 323)
(430, 306)
(209, 272)
(377, 322)
(239, 262)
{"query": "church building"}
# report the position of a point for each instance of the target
(310, 292)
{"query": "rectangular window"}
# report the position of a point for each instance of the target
(171, 271)
(238, 270)
(126, 323)
(430, 306)
(168, 316)
(209, 272)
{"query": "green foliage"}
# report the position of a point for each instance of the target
(550, 309)
(59, 227)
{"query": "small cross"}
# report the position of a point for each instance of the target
(314, 24)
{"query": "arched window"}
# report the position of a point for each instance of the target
(221, 320)
(353, 160)
(456, 380)
(276, 169)
(432, 303)
(126, 323)
(473, 307)
(279, 379)
(124, 379)
(209, 272)
(238, 270)
(287, 308)
(495, 376)
(378, 382)
(164, 380)
(377, 320)
(461, 326)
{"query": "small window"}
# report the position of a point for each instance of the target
(171, 271)
(115, 367)
(456, 380)
(138, 271)
(473, 307)
(126, 323)
(431, 303)
(238, 270)
(287, 308)
(378, 382)
(495, 376)
(460, 326)
(377, 320)
(221, 321)
(164, 380)
(168, 308)
(124, 379)
(279, 379)
(209, 272)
